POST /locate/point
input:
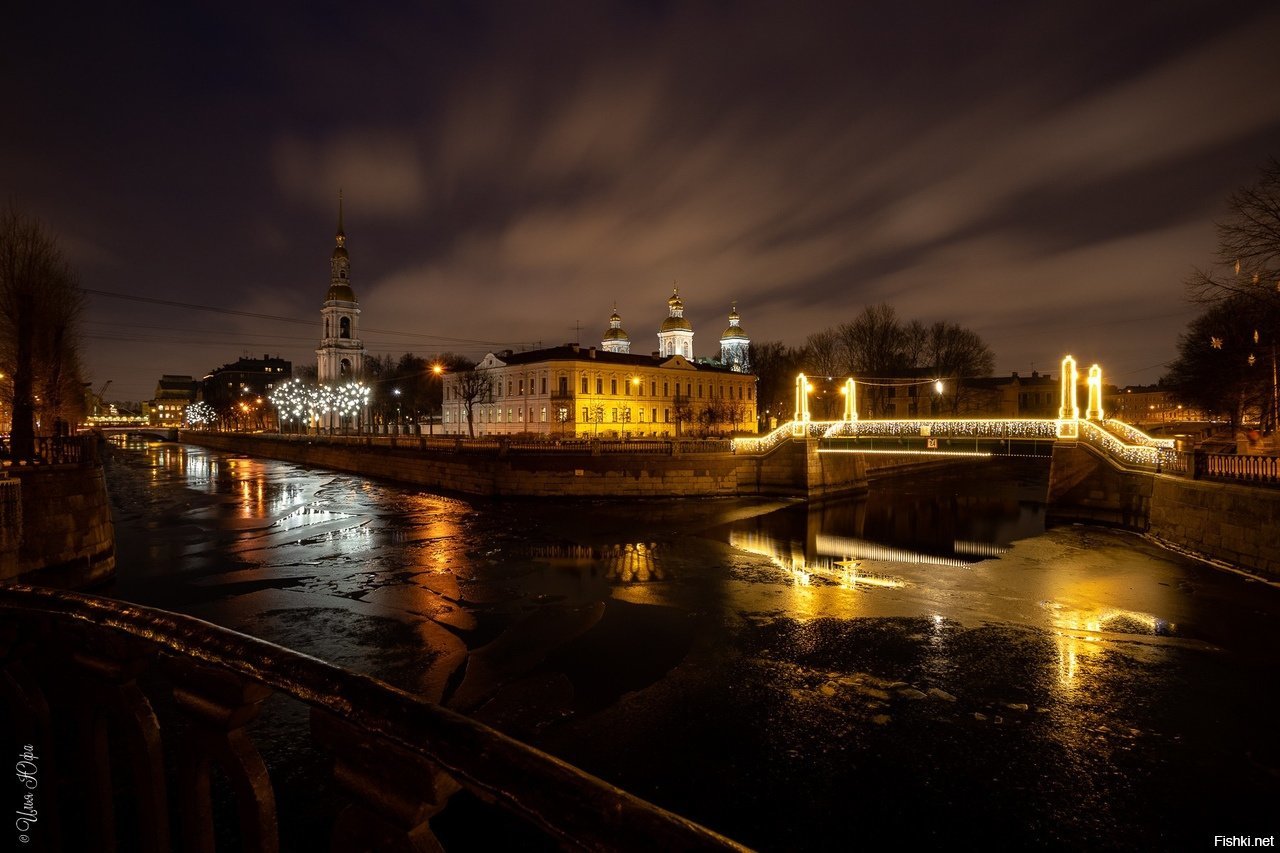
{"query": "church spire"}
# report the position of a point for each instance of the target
(341, 237)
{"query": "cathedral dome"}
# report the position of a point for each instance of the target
(341, 292)
(672, 324)
(616, 335)
(734, 332)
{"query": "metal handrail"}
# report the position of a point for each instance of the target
(565, 802)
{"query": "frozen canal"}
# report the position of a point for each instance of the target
(927, 666)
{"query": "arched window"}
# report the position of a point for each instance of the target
(344, 327)
(344, 368)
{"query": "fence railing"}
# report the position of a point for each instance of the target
(91, 680)
(502, 445)
(52, 450)
(1255, 470)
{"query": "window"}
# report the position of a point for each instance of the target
(599, 385)
(544, 387)
(699, 390)
(613, 415)
(688, 389)
(509, 418)
(344, 327)
(585, 413)
(508, 387)
(666, 391)
(521, 387)
(655, 416)
(749, 393)
(613, 387)
(666, 416)
(544, 411)
(584, 385)
(641, 411)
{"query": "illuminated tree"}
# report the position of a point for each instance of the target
(1218, 369)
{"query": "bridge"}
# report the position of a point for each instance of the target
(974, 437)
(159, 433)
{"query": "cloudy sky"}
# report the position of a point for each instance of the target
(1045, 173)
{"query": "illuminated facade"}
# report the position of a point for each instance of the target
(675, 335)
(173, 395)
(735, 345)
(574, 391)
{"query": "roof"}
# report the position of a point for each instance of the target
(340, 292)
(673, 323)
(571, 352)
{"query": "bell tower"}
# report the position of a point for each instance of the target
(340, 357)
(675, 335)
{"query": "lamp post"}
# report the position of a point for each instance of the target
(437, 370)
(396, 393)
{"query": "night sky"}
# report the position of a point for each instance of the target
(1045, 173)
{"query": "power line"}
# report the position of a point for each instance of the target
(278, 319)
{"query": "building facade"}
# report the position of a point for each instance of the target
(173, 394)
(584, 392)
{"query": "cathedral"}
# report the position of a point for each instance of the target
(675, 336)
(611, 392)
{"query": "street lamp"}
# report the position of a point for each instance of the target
(437, 370)
(396, 392)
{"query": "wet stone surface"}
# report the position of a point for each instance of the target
(926, 666)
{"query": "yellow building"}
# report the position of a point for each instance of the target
(575, 391)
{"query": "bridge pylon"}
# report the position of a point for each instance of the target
(1069, 410)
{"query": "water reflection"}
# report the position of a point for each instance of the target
(626, 563)
(1081, 634)
(837, 539)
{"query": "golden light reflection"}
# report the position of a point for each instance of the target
(845, 571)
(630, 562)
(1083, 634)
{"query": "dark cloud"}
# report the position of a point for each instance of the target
(1045, 173)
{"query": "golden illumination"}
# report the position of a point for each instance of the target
(1069, 410)
(1094, 411)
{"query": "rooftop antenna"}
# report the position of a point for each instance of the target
(577, 331)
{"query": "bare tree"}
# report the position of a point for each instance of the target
(955, 353)
(40, 305)
(474, 386)
(775, 365)
(1248, 253)
(874, 346)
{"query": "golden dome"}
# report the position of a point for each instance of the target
(616, 334)
(672, 324)
(734, 331)
(341, 292)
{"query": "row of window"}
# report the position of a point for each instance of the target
(634, 387)
(563, 414)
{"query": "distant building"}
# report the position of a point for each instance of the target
(575, 391)
(245, 382)
(675, 335)
(173, 394)
(615, 338)
(1148, 404)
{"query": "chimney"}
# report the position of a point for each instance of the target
(572, 347)
(591, 353)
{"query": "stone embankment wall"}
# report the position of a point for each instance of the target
(1237, 524)
(61, 526)
(1232, 523)
(792, 468)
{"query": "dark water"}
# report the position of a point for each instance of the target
(924, 666)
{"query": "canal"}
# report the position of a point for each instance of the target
(927, 665)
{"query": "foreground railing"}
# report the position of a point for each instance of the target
(53, 450)
(83, 678)
(1256, 470)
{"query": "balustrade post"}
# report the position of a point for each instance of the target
(219, 706)
(394, 793)
(108, 701)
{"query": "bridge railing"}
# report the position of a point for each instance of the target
(92, 680)
(1253, 470)
(996, 428)
(1132, 435)
(1144, 456)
